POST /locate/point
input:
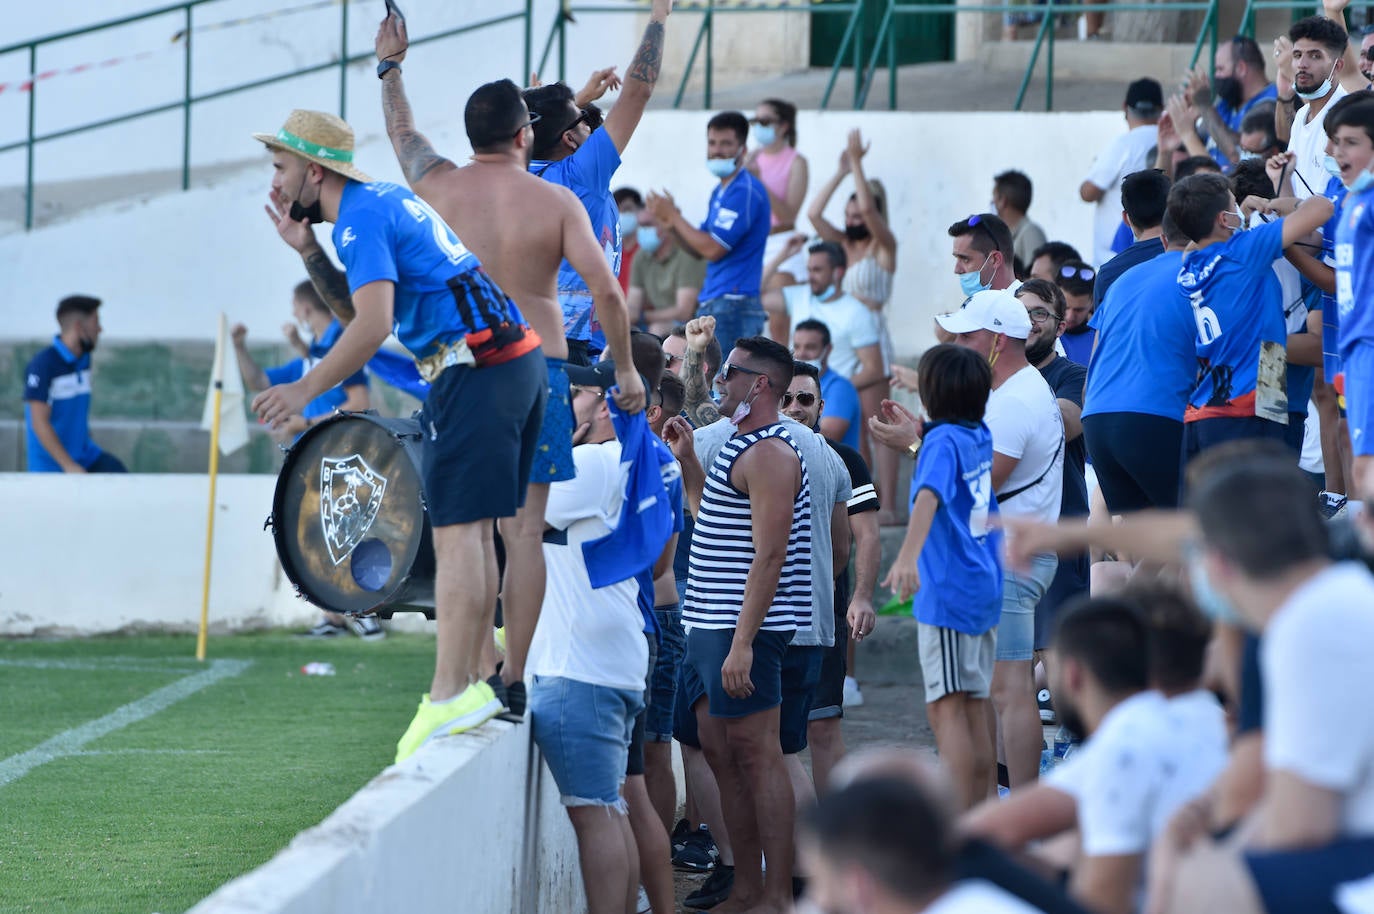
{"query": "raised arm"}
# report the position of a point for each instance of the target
(639, 80)
(254, 378)
(816, 212)
(868, 206)
(1283, 85)
(1199, 93)
(697, 403)
(1312, 214)
(327, 279)
(417, 157)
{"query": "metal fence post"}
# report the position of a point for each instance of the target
(710, 61)
(1049, 59)
(28, 154)
(186, 110)
(343, 60)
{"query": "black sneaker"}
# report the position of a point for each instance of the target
(366, 627)
(714, 890)
(1331, 504)
(678, 839)
(698, 852)
(325, 629)
(1047, 715)
(515, 702)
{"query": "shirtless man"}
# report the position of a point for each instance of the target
(521, 229)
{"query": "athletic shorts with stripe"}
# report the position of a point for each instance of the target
(952, 661)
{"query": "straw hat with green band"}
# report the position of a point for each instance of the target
(318, 137)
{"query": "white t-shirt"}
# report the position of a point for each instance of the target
(1307, 142)
(1147, 758)
(1317, 672)
(852, 325)
(591, 635)
(975, 896)
(1124, 155)
(1026, 424)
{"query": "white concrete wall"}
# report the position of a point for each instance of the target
(83, 555)
(165, 266)
(441, 832)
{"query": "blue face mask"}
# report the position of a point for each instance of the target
(1363, 181)
(829, 291)
(1246, 155)
(1331, 165)
(629, 222)
(648, 238)
(1321, 91)
(972, 283)
(765, 134)
(1212, 603)
(721, 168)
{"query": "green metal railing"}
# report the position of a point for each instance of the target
(1247, 18)
(850, 43)
(189, 100)
(886, 40)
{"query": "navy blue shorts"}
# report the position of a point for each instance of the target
(801, 673)
(480, 427)
(707, 649)
(1204, 434)
(1305, 882)
(553, 462)
(828, 700)
(689, 692)
(1136, 457)
(1070, 580)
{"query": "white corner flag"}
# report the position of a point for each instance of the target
(233, 424)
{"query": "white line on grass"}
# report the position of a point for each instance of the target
(121, 664)
(71, 741)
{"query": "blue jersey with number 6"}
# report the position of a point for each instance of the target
(384, 232)
(1237, 305)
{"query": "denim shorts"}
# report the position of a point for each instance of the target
(1021, 593)
(737, 317)
(584, 731)
(658, 724)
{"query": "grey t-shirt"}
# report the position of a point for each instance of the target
(829, 486)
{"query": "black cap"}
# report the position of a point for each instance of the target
(1145, 96)
(601, 375)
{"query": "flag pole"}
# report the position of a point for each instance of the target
(218, 384)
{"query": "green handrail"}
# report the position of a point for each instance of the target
(1044, 37)
(705, 34)
(1247, 18)
(189, 100)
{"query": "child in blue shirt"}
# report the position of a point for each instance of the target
(949, 561)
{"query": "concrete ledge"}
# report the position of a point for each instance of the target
(441, 832)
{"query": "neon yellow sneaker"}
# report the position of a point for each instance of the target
(499, 636)
(473, 707)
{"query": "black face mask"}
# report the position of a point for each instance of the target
(87, 345)
(1228, 89)
(1070, 719)
(856, 232)
(311, 212)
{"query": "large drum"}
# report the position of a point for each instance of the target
(349, 517)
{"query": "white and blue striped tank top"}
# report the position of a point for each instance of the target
(723, 548)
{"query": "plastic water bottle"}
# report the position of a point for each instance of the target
(1063, 745)
(318, 669)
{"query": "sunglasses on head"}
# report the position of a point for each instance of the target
(803, 399)
(1084, 273)
(976, 221)
(727, 369)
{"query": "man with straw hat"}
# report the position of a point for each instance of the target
(405, 268)
(521, 228)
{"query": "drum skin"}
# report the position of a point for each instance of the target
(349, 520)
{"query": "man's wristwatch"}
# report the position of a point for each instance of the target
(914, 448)
(385, 65)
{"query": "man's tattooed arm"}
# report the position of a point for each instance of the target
(413, 151)
(649, 58)
(330, 282)
(698, 405)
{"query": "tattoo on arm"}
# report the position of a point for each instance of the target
(416, 155)
(698, 405)
(331, 283)
(649, 58)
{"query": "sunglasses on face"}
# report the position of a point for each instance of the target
(765, 121)
(803, 399)
(534, 119)
(594, 391)
(583, 118)
(727, 369)
(1084, 273)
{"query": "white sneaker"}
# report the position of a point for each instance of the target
(853, 698)
(642, 906)
(366, 627)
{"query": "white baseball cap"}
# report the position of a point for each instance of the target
(997, 311)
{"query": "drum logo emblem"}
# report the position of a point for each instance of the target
(350, 497)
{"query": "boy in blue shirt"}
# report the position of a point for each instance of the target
(1237, 309)
(949, 562)
(1352, 138)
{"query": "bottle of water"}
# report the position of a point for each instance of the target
(318, 669)
(1064, 745)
